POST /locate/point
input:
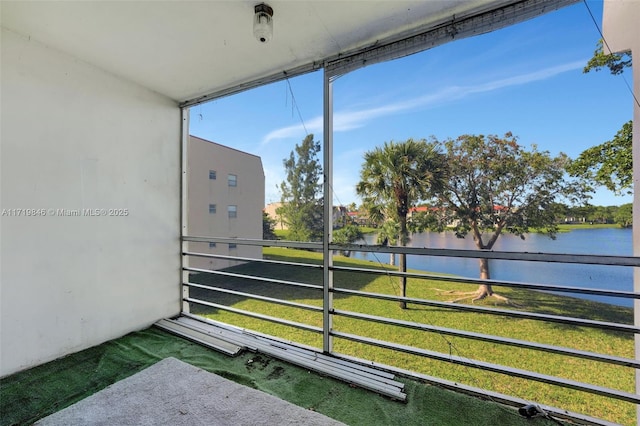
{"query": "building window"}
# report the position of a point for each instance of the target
(212, 174)
(212, 245)
(233, 211)
(212, 209)
(233, 180)
(233, 246)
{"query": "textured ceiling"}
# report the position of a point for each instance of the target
(184, 49)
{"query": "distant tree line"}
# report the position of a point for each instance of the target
(620, 215)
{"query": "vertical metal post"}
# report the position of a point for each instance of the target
(635, 153)
(621, 33)
(184, 211)
(327, 322)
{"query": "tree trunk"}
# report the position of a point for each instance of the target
(402, 260)
(484, 290)
(402, 267)
(392, 259)
(484, 269)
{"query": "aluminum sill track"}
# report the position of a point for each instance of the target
(199, 336)
(232, 341)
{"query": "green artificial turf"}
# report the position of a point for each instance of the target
(30, 395)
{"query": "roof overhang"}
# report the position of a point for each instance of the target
(191, 51)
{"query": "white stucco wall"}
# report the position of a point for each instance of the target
(75, 137)
(622, 33)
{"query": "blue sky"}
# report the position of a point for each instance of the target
(526, 79)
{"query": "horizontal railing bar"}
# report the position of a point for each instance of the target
(502, 312)
(447, 278)
(252, 242)
(254, 315)
(587, 259)
(627, 362)
(502, 283)
(254, 278)
(251, 259)
(450, 305)
(487, 366)
(255, 296)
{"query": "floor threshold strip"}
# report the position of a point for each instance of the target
(199, 336)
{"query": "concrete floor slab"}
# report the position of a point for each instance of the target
(174, 392)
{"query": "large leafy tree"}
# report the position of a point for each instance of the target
(302, 192)
(496, 186)
(610, 163)
(395, 177)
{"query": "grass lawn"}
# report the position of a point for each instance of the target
(282, 234)
(572, 226)
(585, 339)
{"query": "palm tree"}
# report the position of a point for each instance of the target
(394, 178)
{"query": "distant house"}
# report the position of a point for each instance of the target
(437, 211)
(340, 216)
(225, 195)
(422, 209)
(353, 216)
(271, 210)
(360, 218)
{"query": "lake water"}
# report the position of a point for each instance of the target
(607, 241)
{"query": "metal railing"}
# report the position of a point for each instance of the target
(380, 341)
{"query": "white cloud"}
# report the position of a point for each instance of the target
(313, 126)
(349, 120)
(527, 78)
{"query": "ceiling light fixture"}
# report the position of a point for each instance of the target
(263, 23)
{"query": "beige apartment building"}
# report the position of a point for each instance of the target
(225, 194)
